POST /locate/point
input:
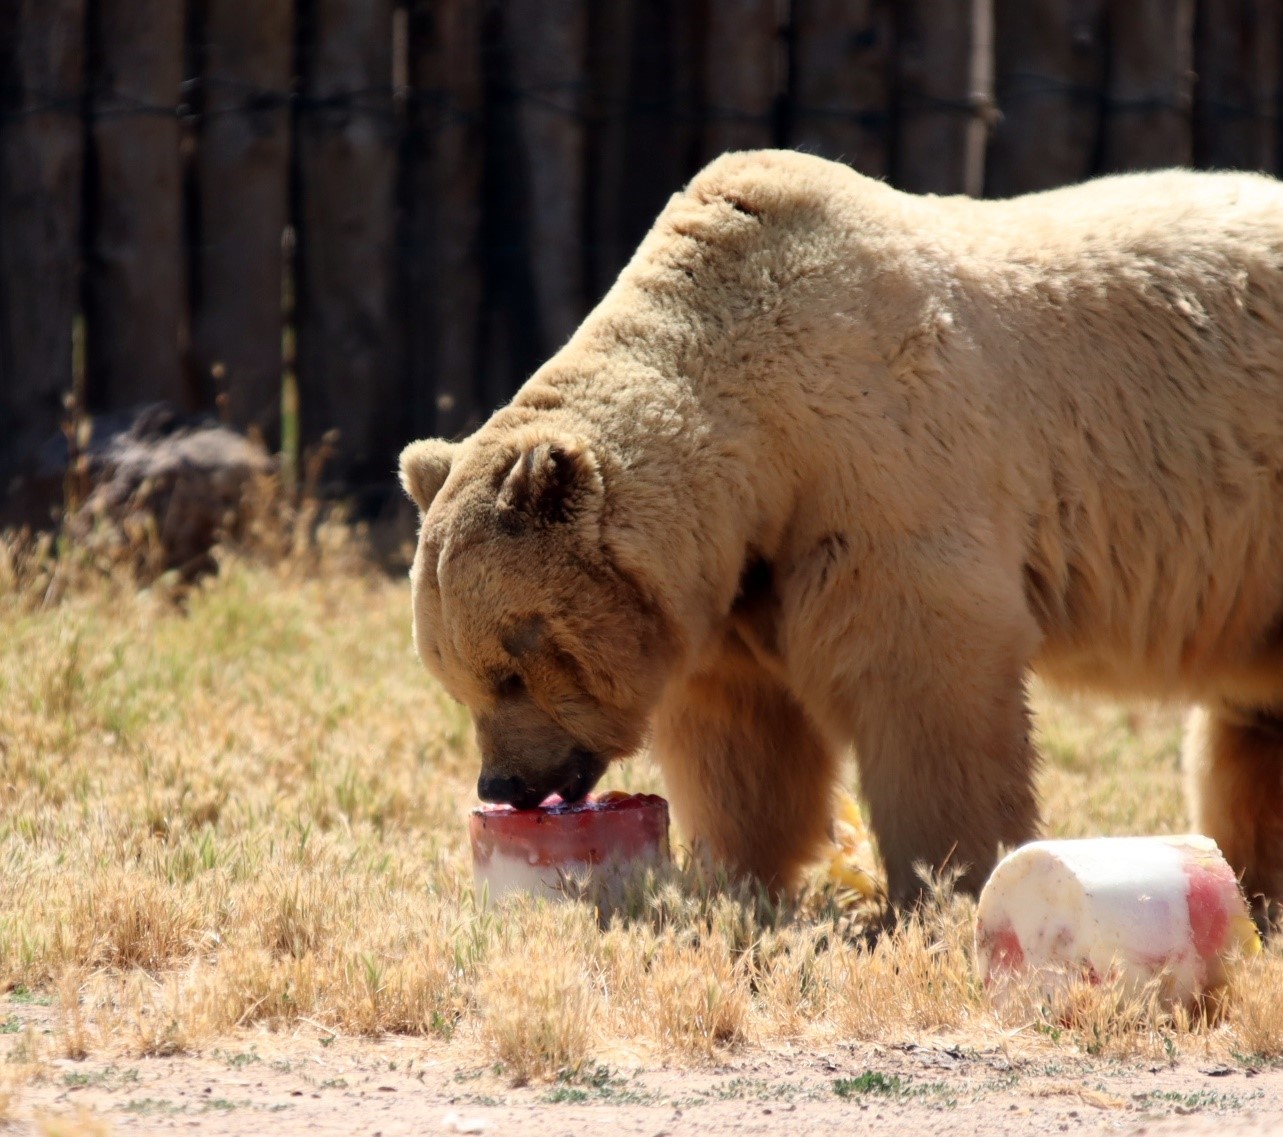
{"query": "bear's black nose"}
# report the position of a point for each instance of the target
(507, 790)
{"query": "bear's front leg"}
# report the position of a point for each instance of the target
(748, 775)
(915, 650)
(946, 764)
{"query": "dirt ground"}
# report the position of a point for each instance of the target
(313, 1083)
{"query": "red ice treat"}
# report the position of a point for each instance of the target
(532, 850)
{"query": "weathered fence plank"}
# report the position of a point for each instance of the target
(647, 96)
(1050, 64)
(841, 81)
(135, 289)
(445, 154)
(743, 74)
(945, 94)
(346, 143)
(1236, 56)
(547, 42)
(611, 111)
(41, 160)
(535, 209)
(242, 183)
(1151, 78)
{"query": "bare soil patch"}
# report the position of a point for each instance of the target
(311, 1083)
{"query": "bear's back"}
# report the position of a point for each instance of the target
(1113, 353)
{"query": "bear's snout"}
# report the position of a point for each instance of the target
(525, 756)
(507, 789)
(572, 778)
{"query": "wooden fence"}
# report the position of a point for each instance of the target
(400, 208)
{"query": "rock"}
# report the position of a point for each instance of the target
(163, 488)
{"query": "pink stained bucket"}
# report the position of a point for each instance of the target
(1105, 909)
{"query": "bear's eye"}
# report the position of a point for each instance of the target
(510, 686)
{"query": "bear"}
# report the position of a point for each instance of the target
(833, 467)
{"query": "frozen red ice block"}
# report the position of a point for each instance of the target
(533, 850)
(1114, 908)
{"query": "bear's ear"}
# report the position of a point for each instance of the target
(550, 483)
(425, 465)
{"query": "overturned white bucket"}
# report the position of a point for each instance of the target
(1124, 910)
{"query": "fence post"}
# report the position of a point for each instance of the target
(135, 288)
(444, 159)
(1050, 73)
(1236, 57)
(944, 96)
(1151, 78)
(612, 108)
(346, 153)
(744, 62)
(41, 161)
(242, 182)
(547, 46)
(534, 186)
(646, 81)
(840, 81)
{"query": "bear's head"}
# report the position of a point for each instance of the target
(524, 615)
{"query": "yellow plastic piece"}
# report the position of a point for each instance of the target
(1244, 936)
(852, 877)
(851, 845)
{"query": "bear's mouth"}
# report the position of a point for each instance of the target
(572, 780)
(585, 769)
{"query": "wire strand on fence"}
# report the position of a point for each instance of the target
(1016, 87)
(388, 102)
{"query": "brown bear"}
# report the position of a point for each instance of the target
(832, 465)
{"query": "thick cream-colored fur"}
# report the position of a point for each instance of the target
(835, 465)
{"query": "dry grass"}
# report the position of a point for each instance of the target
(540, 1021)
(244, 805)
(80, 1124)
